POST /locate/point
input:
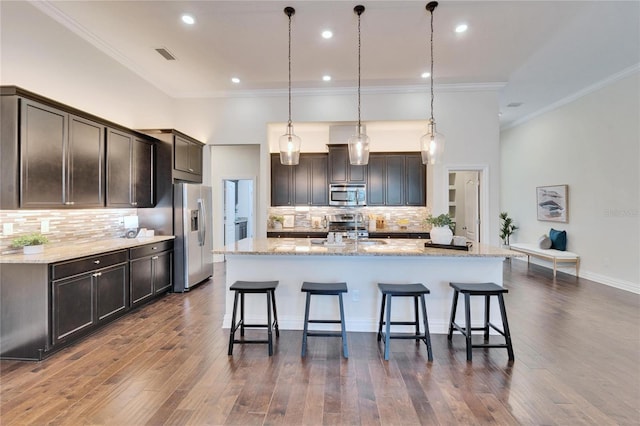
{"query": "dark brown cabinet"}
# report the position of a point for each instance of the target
(87, 292)
(130, 168)
(396, 180)
(179, 156)
(62, 158)
(340, 170)
(302, 185)
(151, 271)
(187, 155)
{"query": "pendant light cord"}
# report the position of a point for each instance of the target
(431, 43)
(359, 45)
(289, 124)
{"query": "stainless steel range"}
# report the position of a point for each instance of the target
(349, 225)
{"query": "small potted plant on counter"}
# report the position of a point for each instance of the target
(441, 232)
(31, 243)
(507, 227)
(276, 221)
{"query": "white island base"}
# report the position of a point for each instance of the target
(362, 273)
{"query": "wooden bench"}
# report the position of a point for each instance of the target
(556, 256)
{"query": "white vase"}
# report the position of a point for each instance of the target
(277, 226)
(33, 249)
(441, 235)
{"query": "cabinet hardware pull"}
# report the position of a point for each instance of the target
(154, 257)
(154, 248)
(97, 274)
(97, 262)
(190, 170)
(69, 203)
(134, 203)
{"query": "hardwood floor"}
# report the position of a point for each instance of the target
(577, 349)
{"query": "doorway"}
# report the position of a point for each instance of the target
(466, 204)
(238, 210)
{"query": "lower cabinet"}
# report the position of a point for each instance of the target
(151, 271)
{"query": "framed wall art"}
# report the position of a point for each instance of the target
(552, 203)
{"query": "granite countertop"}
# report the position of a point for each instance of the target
(397, 247)
(65, 251)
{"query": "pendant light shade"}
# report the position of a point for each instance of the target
(431, 143)
(359, 142)
(289, 143)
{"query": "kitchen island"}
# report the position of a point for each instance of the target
(361, 265)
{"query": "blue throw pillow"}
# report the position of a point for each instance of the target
(558, 239)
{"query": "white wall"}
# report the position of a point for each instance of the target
(592, 145)
(40, 55)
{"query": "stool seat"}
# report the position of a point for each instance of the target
(240, 288)
(254, 286)
(324, 289)
(403, 289)
(417, 291)
(480, 289)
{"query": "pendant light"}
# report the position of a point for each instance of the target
(289, 142)
(431, 143)
(359, 143)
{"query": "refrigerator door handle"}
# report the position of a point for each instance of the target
(202, 231)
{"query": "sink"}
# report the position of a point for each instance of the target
(371, 242)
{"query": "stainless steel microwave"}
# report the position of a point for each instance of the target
(347, 194)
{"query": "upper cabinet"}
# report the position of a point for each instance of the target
(396, 179)
(302, 185)
(130, 170)
(179, 153)
(340, 170)
(50, 158)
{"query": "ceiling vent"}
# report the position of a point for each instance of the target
(166, 54)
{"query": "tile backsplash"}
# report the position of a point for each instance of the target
(303, 215)
(64, 225)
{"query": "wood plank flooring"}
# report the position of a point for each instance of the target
(577, 348)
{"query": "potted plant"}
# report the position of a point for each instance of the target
(507, 227)
(276, 221)
(31, 243)
(441, 228)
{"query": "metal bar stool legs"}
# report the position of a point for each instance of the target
(325, 289)
(417, 292)
(487, 290)
(253, 287)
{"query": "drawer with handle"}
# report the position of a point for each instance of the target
(150, 249)
(91, 263)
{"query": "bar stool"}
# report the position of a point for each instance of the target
(417, 291)
(253, 287)
(324, 289)
(480, 289)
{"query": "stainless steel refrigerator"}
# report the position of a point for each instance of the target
(192, 227)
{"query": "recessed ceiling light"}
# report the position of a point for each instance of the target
(327, 34)
(462, 28)
(326, 78)
(425, 75)
(235, 80)
(188, 19)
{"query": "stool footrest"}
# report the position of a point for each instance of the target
(405, 336)
(490, 345)
(250, 341)
(324, 333)
(400, 323)
(316, 321)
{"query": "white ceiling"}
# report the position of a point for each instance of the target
(542, 51)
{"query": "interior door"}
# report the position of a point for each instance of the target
(471, 206)
(229, 212)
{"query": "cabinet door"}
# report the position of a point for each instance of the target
(340, 170)
(111, 290)
(415, 184)
(43, 135)
(195, 158)
(394, 180)
(141, 280)
(181, 154)
(143, 164)
(73, 308)
(319, 184)
(281, 182)
(119, 169)
(302, 181)
(376, 180)
(85, 163)
(162, 272)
